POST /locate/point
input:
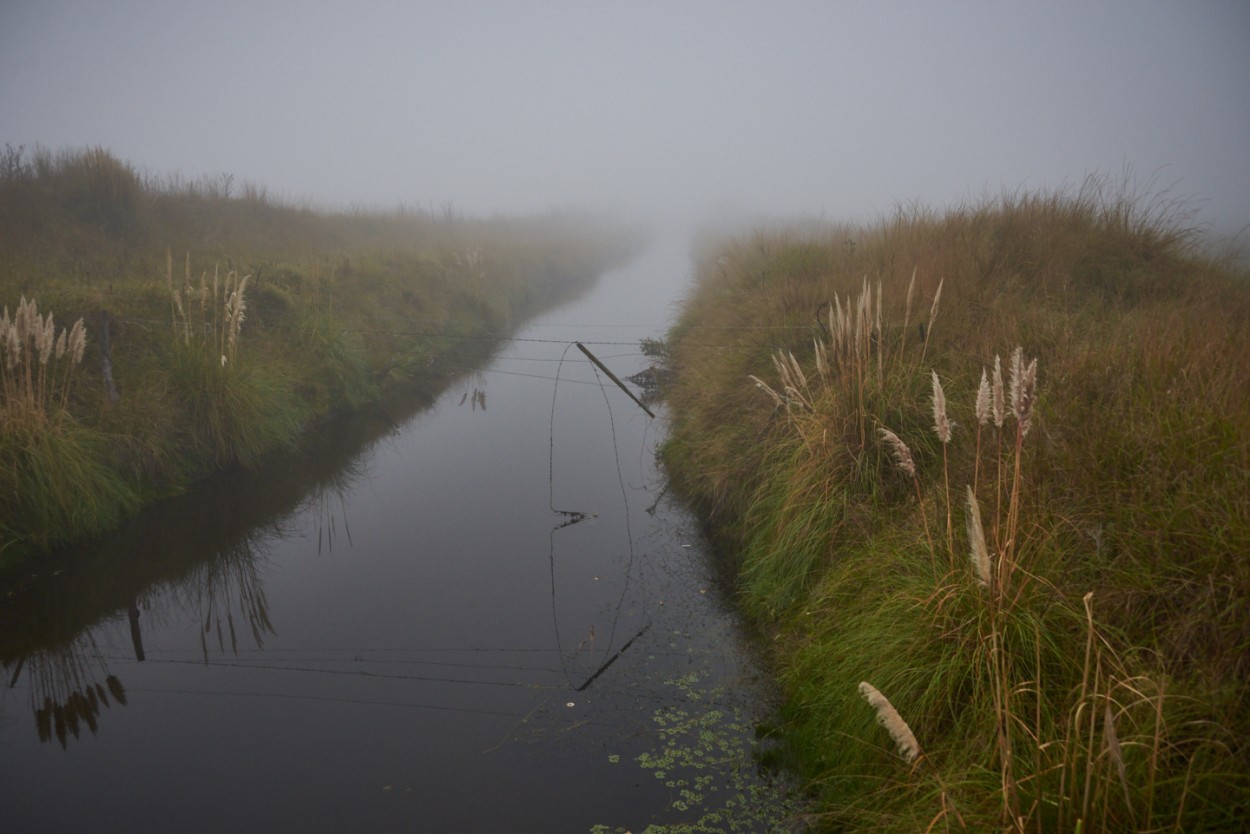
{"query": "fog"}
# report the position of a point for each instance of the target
(840, 110)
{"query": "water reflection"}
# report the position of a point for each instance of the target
(69, 686)
(228, 583)
(202, 552)
(468, 617)
(477, 397)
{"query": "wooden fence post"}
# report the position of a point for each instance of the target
(106, 358)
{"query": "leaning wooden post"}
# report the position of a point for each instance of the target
(613, 377)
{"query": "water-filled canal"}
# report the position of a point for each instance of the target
(486, 615)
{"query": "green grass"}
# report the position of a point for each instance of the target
(1033, 711)
(340, 311)
(60, 477)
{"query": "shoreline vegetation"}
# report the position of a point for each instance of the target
(156, 330)
(981, 478)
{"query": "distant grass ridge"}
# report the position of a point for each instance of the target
(981, 475)
(231, 324)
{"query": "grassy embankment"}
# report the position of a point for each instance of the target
(1030, 567)
(234, 323)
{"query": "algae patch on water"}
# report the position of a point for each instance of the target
(705, 753)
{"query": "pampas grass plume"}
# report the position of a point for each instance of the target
(767, 389)
(1023, 388)
(902, 455)
(937, 296)
(999, 399)
(941, 423)
(1016, 373)
(911, 286)
(1027, 394)
(47, 339)
(889, 718)
(77, 341)
(983, 399)
(980, 553)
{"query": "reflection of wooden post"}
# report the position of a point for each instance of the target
(612, 376)
(106, 359)
(136, 636)
(17, 672)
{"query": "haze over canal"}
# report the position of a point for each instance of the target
(409, 628)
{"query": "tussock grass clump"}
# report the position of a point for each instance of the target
(47, 461)
(234, 413)
(991, 462)
(31, 388)
(59, 477)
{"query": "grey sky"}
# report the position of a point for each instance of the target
(783, 107)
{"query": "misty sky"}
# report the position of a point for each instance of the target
(840, 109)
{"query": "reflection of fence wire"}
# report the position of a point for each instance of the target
(660, 698)
(322, 699)
(320, 655)
(272, 667)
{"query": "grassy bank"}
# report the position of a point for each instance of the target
(157, 330)
(982, 476)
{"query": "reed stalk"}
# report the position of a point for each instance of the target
(933, 311)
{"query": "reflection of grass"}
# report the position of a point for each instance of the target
(66, 694)
(705, 759)
(227, 583)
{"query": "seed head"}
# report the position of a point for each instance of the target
(77, 341)
(889, 718)
(999, 399)
(46, 336)
(941, 423)
(937, 296)
(979, 552)
(767, 389)
(12, 346)
(911, 286)
(902, 455)
(1016, 372)
(27, 315)
(983, 399)
(1028, 392)
(1023, 388)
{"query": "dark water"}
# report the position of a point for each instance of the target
(399, 629)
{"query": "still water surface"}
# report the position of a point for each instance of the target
(483, 614)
